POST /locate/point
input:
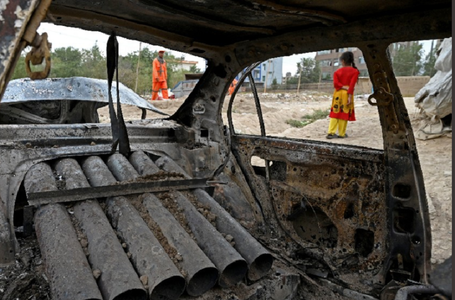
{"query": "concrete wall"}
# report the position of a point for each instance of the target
(409, 85)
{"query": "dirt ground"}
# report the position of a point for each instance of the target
(435, 155)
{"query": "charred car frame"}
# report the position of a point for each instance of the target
(355, 217)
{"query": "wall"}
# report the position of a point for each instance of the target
(409, 85)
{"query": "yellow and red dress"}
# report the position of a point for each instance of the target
(345, 76)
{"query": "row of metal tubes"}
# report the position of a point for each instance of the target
(232, 267)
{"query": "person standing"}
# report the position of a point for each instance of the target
(232, 86)
(342, 110)
(159, 76)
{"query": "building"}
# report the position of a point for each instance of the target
(329, 61)
(186, 65)
(270, 70)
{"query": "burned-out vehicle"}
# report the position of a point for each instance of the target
(179, 210)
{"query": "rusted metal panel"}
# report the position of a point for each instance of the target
(66, 265)
(258, 258)
(14, 16)
(72, 88)
(328, 199)
(409, 241)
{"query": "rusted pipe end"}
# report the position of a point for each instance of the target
(171, 288)
(233, 273)
(133, 294)
(260, 266)
(202, 281)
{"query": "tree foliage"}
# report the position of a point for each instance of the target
(430, 60)
(310, 71)
(407, 59)
(70, 62)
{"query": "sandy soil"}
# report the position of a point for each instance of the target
(435, 155)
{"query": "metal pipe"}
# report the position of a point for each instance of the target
(143, 164)
(169, 165)
(118, 279)
(149, 257)
(258, 258)
(69, 273)
(403, 293)
(229, 262)
(201, 273)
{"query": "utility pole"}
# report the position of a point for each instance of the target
(137, 67)
(300, 76)
(266, 75)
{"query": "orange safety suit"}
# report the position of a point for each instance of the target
(159, 78)
(232, 86)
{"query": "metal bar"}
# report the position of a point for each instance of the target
(257, 104)
(237, 87)
(261, 118)
(201, 273)
(118, 279)
(403, 293)
(69, 273)
(229, 262)
(121, 189)
(258, 258)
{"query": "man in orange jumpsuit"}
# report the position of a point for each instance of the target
(232, 86)
(159, 76)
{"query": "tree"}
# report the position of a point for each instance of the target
(19, 71)
(407, 59)
(66, 62)
(430, 60)
(310, 70)
(195, 69)
(93, 63)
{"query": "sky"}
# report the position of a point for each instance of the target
(61, 36)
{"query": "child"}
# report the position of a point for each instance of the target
(342, 110)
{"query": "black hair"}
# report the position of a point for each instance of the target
(348, 58)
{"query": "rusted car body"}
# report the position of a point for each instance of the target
(354, 218)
